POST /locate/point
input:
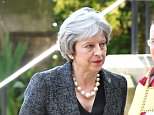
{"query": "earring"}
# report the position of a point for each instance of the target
(71, 57)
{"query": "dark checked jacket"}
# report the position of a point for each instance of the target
(52, 93)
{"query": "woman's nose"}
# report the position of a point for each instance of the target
(98, 51)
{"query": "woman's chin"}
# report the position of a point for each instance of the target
(97, 69)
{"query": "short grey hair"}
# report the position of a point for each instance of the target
(80, 25)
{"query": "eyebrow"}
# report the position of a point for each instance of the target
(89, 42)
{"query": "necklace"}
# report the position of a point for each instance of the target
(90, 93)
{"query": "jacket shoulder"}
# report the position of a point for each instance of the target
(116, 79)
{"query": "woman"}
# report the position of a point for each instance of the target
(81, 86)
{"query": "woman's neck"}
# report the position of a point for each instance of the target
(84, 78)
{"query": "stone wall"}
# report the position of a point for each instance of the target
(37, 42)
(24, 15)
(27, 21)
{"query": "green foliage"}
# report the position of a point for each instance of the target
(56, 59)
(19, 87)
(121, 24)
(62, 8)
(119, 19)
(120, 45)
(10, 60)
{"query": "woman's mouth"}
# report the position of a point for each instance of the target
(97, 61)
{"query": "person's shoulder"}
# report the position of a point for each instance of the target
(114, 75)
(44, 78)
(50, 73)
(115, 78)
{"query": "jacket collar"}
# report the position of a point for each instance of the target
(112, 100)
(65, 72)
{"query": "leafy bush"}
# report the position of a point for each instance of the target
(10, 60)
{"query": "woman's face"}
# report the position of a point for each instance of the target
(90, 54)
(152, 41)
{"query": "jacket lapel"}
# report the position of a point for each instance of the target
(112, 106)
(66, 99)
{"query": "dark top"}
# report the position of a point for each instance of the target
(99, 103)
(52, 92)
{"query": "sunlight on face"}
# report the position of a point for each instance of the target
(152, 41)
(90, 53)
(152, 32)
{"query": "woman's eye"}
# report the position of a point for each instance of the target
(89, 46)
(102, 45)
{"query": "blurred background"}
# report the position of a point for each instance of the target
(29, 27)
